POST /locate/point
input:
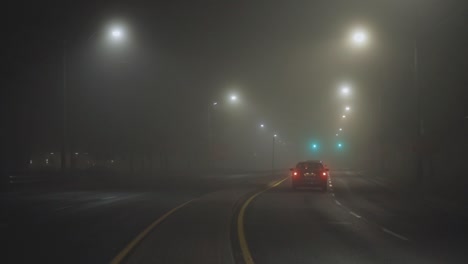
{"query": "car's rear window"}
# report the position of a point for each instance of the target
(308, 166)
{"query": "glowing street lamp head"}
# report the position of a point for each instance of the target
(233, 98)
(345, 90)
(341, 129)
(344, 116)
(347, 108)
(215, 103)
(262, 125)
(359, 37)
(275, 135)
(116, 33)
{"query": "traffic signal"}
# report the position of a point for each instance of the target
(314, 147)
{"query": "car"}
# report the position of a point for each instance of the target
(311, 173)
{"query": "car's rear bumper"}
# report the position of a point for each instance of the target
(309, 182)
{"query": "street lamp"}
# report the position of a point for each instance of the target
(115, 33)
(359, 37)
(233, 98)
(262, 125)
(344, 116)
(347, 108)
(273, 153)
(341, 129)
(345, 90)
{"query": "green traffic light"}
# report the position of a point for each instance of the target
(314, 146)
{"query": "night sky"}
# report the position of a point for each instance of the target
(285, 60)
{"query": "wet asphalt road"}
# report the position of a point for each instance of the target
(355, 221)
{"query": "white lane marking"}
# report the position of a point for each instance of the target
(394, 234)
(110, 197)
(354, 214)
(64, 207)
(383, 228)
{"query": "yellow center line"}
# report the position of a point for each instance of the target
(240, 224)
(124, 253)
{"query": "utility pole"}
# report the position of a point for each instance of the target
(273, 154)
(420, 121)
(64, 152)
(212, 145)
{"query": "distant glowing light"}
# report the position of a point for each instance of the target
(347, 108)
(275, 135)
(336, 134)
(345, 90)
(262, 125)
(47, 161)
(215, 103)
(233, 98)
(51, 153)
(116, 33)
(341, 129)
(359, 37)
(30, 161)
(344, 116)
(76, 153)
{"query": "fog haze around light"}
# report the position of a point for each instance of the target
(173, 63)
(183, 131)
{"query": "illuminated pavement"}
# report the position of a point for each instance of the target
(356, 221)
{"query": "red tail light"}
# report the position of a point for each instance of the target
(324, 173)
(295, 173)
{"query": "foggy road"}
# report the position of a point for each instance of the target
(94, 226)
(356, 221)
(182, 132)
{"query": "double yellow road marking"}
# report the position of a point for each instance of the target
(240, 224)
(124, 253)
(240, 229)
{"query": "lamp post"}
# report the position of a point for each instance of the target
(64, 155)
(233, 99)
(359, 38)
(116, 34)
(273, 153)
